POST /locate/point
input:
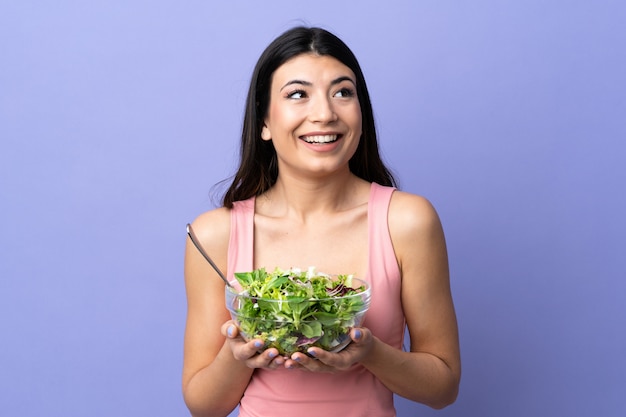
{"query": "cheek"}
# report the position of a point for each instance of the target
(279, 116)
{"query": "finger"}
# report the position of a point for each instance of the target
(356, 334)
(266, 359)
(291, 364)
(304, 361)
(271, 355)
(360, 335)
(230, 329)
(278, 360)
(300, 358)
(246, 350)
(325, 360)
(318, 354)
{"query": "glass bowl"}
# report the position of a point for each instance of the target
(295, 323)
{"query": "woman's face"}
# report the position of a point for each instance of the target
(314, 116)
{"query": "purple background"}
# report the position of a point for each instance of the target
(117, 117)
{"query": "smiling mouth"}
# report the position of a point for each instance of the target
(321, 138)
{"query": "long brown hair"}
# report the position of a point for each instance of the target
(258, 168)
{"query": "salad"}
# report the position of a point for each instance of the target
(292, 310)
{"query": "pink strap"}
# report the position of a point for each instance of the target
(241, 242)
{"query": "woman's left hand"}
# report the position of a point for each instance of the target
(320, 360)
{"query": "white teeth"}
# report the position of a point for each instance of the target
(320, 139)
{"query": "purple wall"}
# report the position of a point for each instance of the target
(117, 118)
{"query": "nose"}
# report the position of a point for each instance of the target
(322, 110)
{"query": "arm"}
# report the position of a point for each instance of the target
(430, 372)
(213, 380)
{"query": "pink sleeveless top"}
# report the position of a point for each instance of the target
(352, 393)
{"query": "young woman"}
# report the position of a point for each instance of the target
(311, 190)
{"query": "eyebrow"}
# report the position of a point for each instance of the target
(308, 83)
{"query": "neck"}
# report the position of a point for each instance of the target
(304, 198)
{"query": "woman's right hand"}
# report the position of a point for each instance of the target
(250, 352)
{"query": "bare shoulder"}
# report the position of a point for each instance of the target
(410, 213)
(212, 229)
(213, 225)
(415, 229)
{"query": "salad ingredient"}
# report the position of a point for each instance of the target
(292, 309)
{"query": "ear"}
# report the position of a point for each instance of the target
(265, 133)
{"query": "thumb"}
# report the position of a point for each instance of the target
(229, 330)
(356, 334)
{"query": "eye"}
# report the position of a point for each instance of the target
(296, 94)
(345, 92)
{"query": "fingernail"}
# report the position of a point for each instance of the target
(357, 334)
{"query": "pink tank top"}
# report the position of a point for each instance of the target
(352, 393)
